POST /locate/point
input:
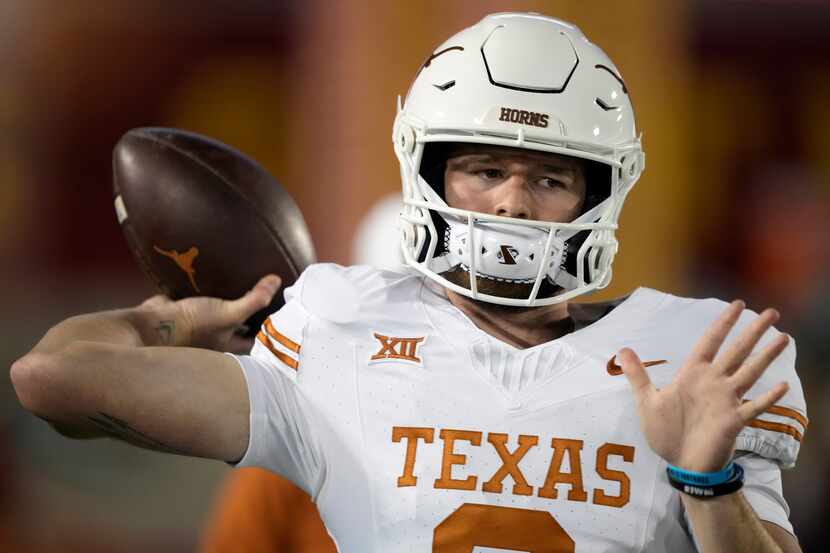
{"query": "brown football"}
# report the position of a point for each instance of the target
(202, 219)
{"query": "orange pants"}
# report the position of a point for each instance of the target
(259, 512)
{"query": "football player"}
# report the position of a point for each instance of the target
(467, 404)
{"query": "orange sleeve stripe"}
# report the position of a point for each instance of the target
(285, 358)
(273, 333)
(776, 427)
(787, 412)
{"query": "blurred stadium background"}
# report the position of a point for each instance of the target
(732, 99)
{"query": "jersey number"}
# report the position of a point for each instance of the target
(474, 525)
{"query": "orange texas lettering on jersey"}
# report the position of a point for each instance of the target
(560, 448)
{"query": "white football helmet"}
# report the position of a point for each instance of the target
(527, 81)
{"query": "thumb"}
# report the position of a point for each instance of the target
(636, 373)
(156, 301)
(256, 298)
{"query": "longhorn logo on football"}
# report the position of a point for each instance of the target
(184, 261)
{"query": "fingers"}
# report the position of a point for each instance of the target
(707, 347)
(636, 374)
(751, 409)
(256, 298)
(752, 370)
(743, 345)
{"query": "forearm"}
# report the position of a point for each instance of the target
(98, 374)
(136, 327)
(182, 400)
(130, 327)
(728, 524)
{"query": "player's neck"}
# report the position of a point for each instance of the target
(522, 327)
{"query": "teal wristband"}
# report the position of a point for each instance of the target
(692, 478)
(706, 485)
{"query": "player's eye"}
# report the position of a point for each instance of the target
(548, 182)
(491, 173)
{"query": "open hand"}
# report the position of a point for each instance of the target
(212, 323)
(693, 422)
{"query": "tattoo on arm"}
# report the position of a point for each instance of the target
(166, 331)
(119, 429)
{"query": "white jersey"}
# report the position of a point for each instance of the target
(415, 431)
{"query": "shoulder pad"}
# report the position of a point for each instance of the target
(345, 294)
(331, 294)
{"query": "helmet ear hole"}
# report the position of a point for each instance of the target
(630, 166)
(406, 139)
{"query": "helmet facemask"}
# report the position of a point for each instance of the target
(517, 262)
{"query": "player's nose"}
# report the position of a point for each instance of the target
(514, 198)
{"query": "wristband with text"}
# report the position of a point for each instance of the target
(706, 484)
